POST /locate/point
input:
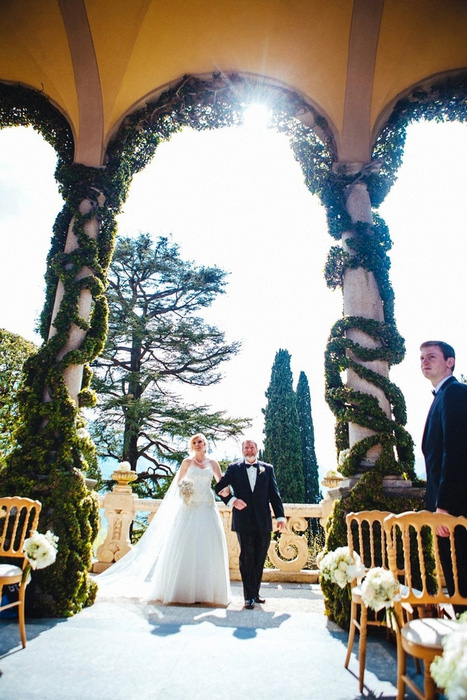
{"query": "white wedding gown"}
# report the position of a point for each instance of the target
(182, 557)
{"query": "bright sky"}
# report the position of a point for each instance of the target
(236, 198)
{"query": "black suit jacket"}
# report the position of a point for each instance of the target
(444, 446)
(257, 514)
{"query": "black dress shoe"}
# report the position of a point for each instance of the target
(250, 603)
(260, 600)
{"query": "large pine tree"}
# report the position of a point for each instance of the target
(155, 342)
(307, 433)
(282, 444)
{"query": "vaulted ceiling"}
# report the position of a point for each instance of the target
(352, 59)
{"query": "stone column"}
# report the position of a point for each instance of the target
(74, 373)
(362, 298)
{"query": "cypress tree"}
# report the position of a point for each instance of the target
(282, 444)
(307, 434)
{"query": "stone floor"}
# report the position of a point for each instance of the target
(116, 650)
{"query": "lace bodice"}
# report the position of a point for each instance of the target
(202, 479)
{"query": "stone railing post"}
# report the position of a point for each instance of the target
(120, 506)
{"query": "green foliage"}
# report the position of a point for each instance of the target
(282, 444)
(14, 350)
(369, 247)
(155, 342)
(50, 451)
(307, 435)
(349, 405)
(369, 250)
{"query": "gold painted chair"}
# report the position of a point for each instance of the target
(414, 547)
(18, 517)
(365, 535)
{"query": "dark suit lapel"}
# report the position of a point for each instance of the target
(448, 381)
(436, 399)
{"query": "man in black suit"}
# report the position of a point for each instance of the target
(255, 490)
(444, 446)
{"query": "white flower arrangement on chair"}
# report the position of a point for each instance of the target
(40, 550)
(449, 671)
(380, 589)
(341, 567)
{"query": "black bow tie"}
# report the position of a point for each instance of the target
(433, 392)
(255, 465)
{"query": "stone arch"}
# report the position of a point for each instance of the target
(23, 106)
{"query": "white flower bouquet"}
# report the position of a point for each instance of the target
(341, 567)
(449, 671)
(380, 589)
(186, 490)
(40, 550)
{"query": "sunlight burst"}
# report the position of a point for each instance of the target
(257, 116)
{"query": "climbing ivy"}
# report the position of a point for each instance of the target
(369, 247)
(52, 449)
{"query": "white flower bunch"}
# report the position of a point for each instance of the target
(449, 671)
(40, 550)
(187, 490)
(380, 589)
(341, 567)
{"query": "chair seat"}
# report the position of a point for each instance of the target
(10, 571)
(428, 631)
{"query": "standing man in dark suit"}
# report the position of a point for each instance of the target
(255, 490)
(444, 446)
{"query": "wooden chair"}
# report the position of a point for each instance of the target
(365, 535)
(18, 517)
(414, 546)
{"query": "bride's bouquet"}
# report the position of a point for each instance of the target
(341, 567)
(186, 490)
(380, 589)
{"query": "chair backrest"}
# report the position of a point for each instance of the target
(365, 535)
(414, 547)
(18, 517)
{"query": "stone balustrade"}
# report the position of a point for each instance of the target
(288, 552)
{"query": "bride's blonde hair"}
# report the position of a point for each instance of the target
(195, 437)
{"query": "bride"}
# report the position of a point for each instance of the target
(182, 557)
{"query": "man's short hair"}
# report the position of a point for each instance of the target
(446, 349)
(250, 440)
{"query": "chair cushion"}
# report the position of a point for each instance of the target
(428, 631)
(7, 570)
